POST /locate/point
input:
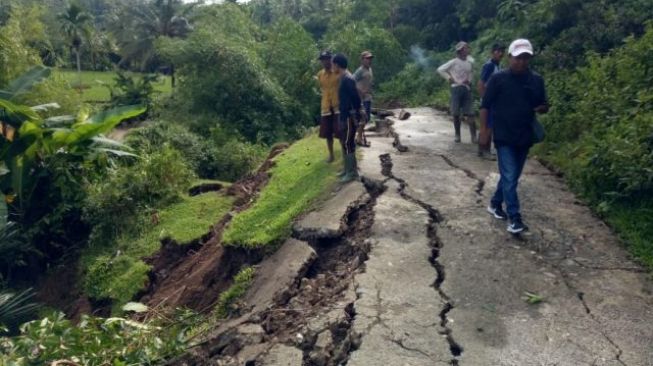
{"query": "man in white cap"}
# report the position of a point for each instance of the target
(513, 97)
(458, 72)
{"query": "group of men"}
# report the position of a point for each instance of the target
(346, 106)
(510, 100)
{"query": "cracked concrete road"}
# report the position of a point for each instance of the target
(445, 283)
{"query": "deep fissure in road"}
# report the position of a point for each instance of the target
(436, 244)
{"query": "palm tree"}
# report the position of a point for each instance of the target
(75, 23)
(146, 21)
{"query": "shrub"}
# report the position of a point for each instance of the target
(221, 74)
(117, 278)
(354, 38)
(92, 341)
(215, 157)
(154, 180)
(132, 90)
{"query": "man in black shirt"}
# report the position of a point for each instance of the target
(350, 116)
(513, 97)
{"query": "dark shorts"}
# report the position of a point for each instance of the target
(461, 101)
(329, 126)
(368, 110)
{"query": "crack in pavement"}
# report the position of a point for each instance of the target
(480, 183)
(581, 297)
(607, 268)
(400, 343)
(436, 244)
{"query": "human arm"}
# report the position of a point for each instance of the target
(480, 86)
(484, 136)
(443, 70)
(543, 106)
(486, 73)
(486, 104)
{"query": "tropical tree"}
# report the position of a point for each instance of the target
(75, 23)
(141, 24)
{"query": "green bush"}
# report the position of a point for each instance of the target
(415, 85)
(154, 180)
(212, 157)
(600, 134)
(222, 74)
(132, 90)
(354, 38)
(93, 341)
(116, 278)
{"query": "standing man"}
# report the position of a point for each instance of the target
(458, 72)
(512, 97)
(329, 81)
(364, 83)
(350, 116)
(491, 67)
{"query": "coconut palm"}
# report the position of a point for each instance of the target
(75, 23)
(144, 22)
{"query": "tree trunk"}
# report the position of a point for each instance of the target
(172, 75)
(79, 69)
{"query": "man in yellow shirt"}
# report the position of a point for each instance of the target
(329, 83)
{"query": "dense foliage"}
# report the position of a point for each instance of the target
(245, 80)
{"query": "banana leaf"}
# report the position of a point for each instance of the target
(25, 82)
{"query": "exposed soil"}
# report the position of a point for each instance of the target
(191, 275)
(315, 314)
(194, 275)
(203, 188)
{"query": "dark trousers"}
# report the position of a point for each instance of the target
(347, 134)
(511, 163)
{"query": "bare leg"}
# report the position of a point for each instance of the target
(472, 128)
(329, 141)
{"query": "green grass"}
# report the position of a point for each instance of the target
(300, 176)
(95, 84)
(632, 221)
(182, 222)
(228, 298)
(227, 303)
(634, 224)
(120, 277)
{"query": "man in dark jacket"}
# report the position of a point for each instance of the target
(350, 116)
(513, 97)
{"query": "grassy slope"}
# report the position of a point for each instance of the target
(300, 176)
(97, 92)
(633, 221)
(121, 277)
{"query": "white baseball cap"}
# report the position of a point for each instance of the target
(519, 46)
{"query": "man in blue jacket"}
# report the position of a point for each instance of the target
(513, 97)
(491, 67)
(350, 116)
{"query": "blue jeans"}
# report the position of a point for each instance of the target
(511, 163)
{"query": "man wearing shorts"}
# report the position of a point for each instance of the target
(329, 80)
(458, 72)
(364, 82)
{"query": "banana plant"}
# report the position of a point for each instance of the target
(24, 152)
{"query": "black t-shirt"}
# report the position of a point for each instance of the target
(349, 100)
(511, 99)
